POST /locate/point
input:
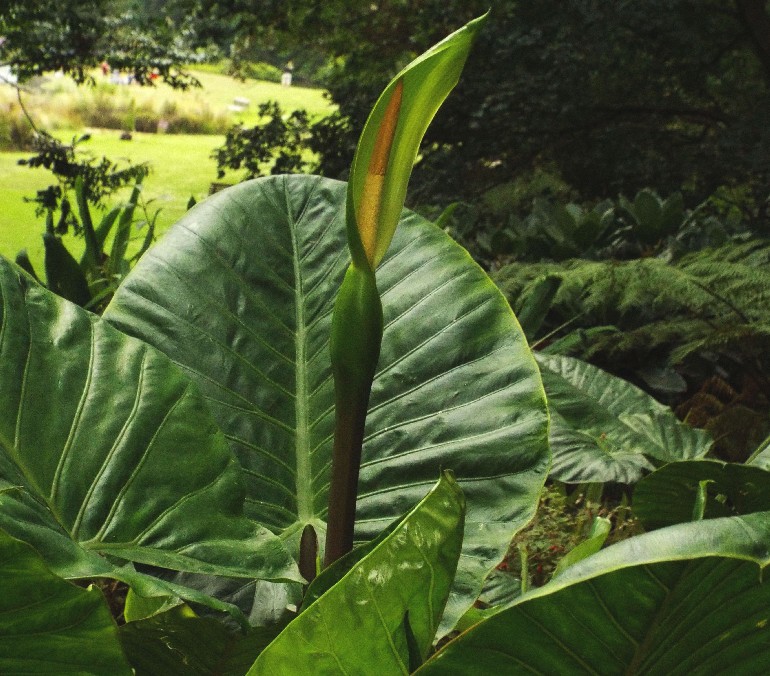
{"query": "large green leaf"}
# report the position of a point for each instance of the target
(605, 429)
(670, 494)
(106, 448)
(179, 643)
(240, 293)
(638, 607)
(50, 626)
(383, 614)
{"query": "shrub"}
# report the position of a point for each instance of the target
(15, 131)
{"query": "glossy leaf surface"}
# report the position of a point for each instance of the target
(50, 626)
(240, 293)
(359, 624)
(606, 429)
(668, 495)
(637, 607)
(107, 448)
(177, 643)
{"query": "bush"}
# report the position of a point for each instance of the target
(15, 131)
(258, 70)
(199, 120)
(263, 71)
(101, 108)
(108, 106)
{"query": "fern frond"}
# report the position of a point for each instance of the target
(715, 300)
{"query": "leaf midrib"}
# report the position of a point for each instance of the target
(302, 432)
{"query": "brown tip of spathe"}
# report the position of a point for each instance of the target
(378, 162)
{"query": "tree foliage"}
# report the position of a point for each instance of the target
(77, 35)
(696, 330)
(615, 96)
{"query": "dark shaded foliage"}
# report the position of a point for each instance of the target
(613, 96)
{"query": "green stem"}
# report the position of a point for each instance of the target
(524, 562)
(355, 348)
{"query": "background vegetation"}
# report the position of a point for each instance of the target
(105, 110)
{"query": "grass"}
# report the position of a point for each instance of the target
(181, 168)
(181, 165)
(58, 103)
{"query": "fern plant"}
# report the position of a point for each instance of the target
(673, 326)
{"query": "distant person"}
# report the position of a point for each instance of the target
(288, 71)
(105, 68)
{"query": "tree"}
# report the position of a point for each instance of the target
(75, 36)
(615, 96)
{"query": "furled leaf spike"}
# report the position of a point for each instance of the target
(391, 140)
(369, 206)
(379, 176)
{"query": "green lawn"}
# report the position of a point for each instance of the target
(181, 164)
(181, 167)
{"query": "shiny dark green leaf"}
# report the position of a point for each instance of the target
(606, 429)
(240, 293)
(106, 448)
(689, 599)
(50, 626)
(358, 626)
(332, 574)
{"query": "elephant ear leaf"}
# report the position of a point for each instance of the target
(240, 293)
(386, 609)
(108, 450)
(687, 599)
(606, 429)
(48, 625)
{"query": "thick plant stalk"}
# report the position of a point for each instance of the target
(355, 346)
(376, 192)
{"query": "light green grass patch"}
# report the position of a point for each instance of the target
(181, 165)
(54, 103)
